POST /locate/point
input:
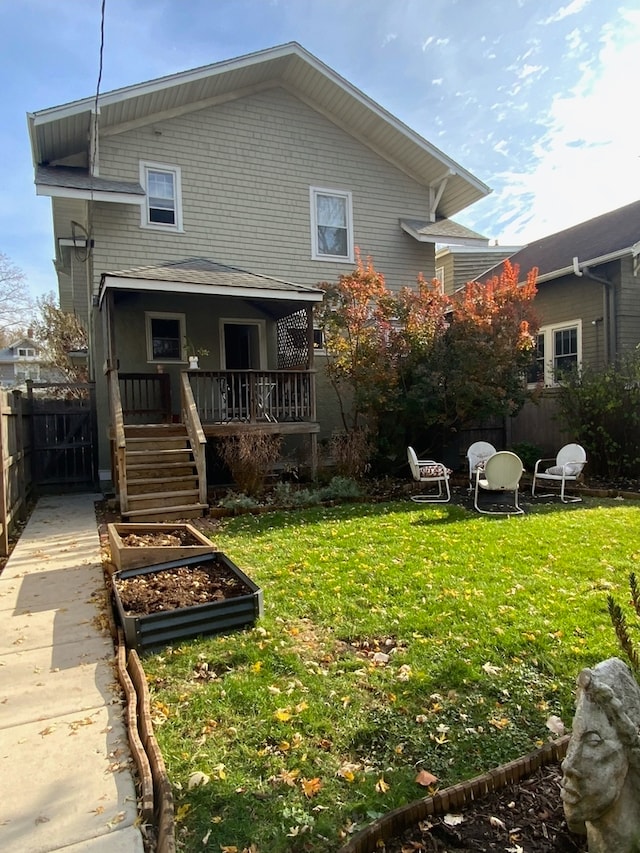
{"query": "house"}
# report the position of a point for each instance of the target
(23, 360)
(457, 264)
(588, 305)
(196, 214)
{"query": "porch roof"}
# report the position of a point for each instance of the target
(208, 277)
(442, 231)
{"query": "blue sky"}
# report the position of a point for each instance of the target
(537, 98)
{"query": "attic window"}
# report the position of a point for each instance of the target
(162, 184)
(26, 352)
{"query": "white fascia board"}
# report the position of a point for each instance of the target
(591, 262)
(90, 195)
(116, 283)
(478, 242)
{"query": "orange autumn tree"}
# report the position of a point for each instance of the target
(418, 366)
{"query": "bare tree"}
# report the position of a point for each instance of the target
(61, 333)
(16, 304)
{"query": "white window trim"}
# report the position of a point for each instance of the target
(262, 338)
(162, 315)
(549, 349)
(349, 258)
(145, 167)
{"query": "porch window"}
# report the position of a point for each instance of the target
(558, 350)
(331, 225)
(165, 337)
(163, 207)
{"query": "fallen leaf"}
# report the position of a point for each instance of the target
(381, 786)
(490, 669)
(453, 819)
(495, 821)
(555, 725)
(311, 787)
(197, 779)
(425, 778)
(182, 812)
(282, 715)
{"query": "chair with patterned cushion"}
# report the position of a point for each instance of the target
(434, 473)
(568, 466)
(501, 473)
(477, 455)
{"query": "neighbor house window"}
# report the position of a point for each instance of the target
(163, 207)
(165, 337)
(26, 352)
(331, 225)
(440, 276)
(558, 351)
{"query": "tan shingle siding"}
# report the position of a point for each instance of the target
(246, 170)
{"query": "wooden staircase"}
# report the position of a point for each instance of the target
(161, 476)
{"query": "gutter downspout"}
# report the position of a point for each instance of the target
(608, 306)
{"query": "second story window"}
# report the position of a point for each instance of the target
(331, 225)
(163, 208)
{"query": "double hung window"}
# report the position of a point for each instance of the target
(331, 225)
(558, 351)
(163, 208)
(165, 337)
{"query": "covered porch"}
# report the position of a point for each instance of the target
(255, 372)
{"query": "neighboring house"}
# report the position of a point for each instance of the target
(588, 305)
(197, 213)
(457, 265)
(20, 361)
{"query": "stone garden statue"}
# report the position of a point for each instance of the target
(601, 772)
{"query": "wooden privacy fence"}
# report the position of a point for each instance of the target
(15, 473)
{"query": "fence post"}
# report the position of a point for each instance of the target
(4, 533)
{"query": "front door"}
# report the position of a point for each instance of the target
(242, 346)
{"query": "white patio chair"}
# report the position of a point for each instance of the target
(569, 463)
(477, 455)
(502, 473)
(429, 471)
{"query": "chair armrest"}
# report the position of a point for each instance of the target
(540, 461)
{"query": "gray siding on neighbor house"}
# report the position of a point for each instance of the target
(628, 306)
(564, 300)
(246, 168)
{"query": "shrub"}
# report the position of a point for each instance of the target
(249, 457)
(529, 453)
(601, 408)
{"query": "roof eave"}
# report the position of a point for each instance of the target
(114, 282)
(583, 265)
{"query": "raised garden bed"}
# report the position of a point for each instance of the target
(134, 545)
(180, 599)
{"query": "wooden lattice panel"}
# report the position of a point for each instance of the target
(293, 341)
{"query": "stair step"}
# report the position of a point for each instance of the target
(153, 430)
(157, 499)
(171, 513)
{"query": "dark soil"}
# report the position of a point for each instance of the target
(180, 536)
(184, 586)
(526, 815)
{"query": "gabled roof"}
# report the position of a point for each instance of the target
(62, 132)
(596, 241)
(204, 276)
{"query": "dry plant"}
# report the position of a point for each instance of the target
(249, 457)
(351, 451)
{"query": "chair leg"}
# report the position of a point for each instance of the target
(441, 497)
(517, 511)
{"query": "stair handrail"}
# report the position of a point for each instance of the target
(117, 420)
(198, 439)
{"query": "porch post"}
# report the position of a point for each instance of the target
(310, 352)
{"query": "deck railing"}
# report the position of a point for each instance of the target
(146, 397)
(253, 396)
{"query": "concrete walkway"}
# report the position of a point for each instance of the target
(65, 778)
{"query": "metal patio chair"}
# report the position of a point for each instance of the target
(434, 473)
(502, 473)
(569, 463)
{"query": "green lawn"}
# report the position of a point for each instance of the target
(395, 638)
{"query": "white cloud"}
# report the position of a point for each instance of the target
(564, 11)
(588, 160)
